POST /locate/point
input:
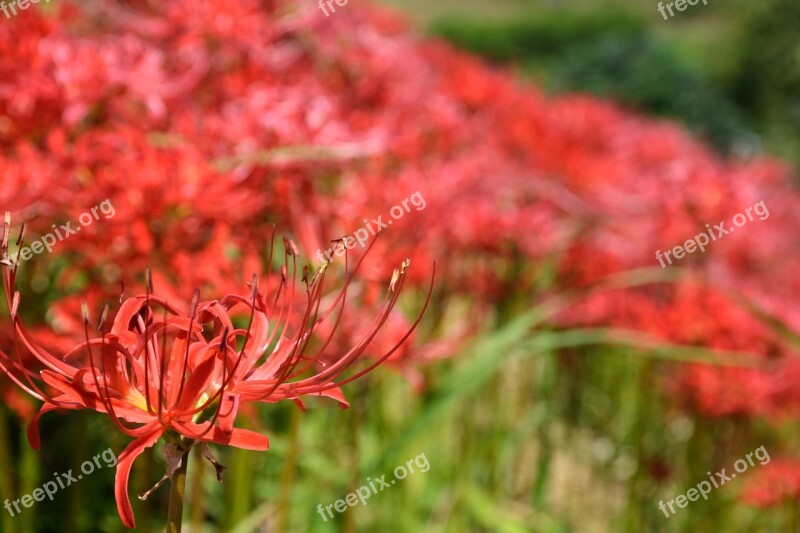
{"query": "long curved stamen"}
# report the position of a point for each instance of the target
(304, 335)
(39, 393)
(9, 275)
(161, 394)
(285, 314)
(106, 401)
(101, 322)
(349, 276)
(192, 314)
(269, 264)
(290, 371)
(342, 296)
(396, 346)
(382, 315)
(101, 329)
(253, 299)
(344, 362)
(32, 388)
(311, 385)
(223, 348)
(21, 385)
(149, 291)
(294, 355)
(227, 381)
(240, 355)
(21, 235)
(18, 331)
(281, 316)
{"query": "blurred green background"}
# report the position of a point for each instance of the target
(728, 70)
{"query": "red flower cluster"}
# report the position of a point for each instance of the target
(774, 483)
(163, 369)
(206, 125)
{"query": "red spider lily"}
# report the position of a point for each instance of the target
(774, 483)
(159, 369)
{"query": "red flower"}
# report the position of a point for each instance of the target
(160, 369)
(774, 484)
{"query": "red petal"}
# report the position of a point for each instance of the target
(336, 394)
(228, 409)
(33, 427)
(199, 378)
(238, 438)
(274, 362)
(124, 464)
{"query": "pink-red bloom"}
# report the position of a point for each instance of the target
(160, 367)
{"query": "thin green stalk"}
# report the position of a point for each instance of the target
(289, 469)
(28, 479)
(548, 384)
(197, 497)
(145, 471)
(356, 418)
(177, 489)
(6, 483)
(79, 428)
(239, 480)
(638, 495)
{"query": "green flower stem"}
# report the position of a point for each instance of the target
(177, 490)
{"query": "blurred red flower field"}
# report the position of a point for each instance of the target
(208, 128)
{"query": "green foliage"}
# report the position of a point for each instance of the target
(551, 33)
(648, 75)
(609, 53)
(767, 83)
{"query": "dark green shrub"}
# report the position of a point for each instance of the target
(609, 53)
(768, 81)
(646, 74)
(548, 34)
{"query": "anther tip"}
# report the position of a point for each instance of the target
(101, 322)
